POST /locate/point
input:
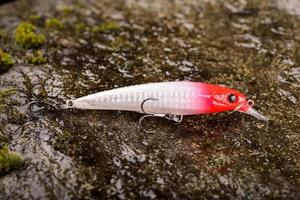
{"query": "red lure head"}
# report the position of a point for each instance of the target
(226, 99)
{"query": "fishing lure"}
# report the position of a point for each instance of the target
(171, 100)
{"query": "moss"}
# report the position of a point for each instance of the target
(54, 23)
(3, 138)
(80, 4)
(2, 107)
(26, 36)
(14, 116)
(9, 160)
(66, 10)
(62, 140)
(6, 61)
(80, 26)
(3, 33)
(37, 58)
(34, 18)
(119, 43)
(4, 93)
(106, 27)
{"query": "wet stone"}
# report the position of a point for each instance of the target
(66, 49)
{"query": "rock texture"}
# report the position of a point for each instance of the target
(94, 45)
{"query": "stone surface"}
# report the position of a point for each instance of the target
(252, 46)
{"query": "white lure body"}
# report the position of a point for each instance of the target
(175, 98)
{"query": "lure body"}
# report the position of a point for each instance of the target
(178, 98)
(173, 98)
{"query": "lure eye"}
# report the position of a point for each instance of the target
(69, 103)
(232, 98)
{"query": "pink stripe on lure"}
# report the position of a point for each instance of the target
(169, 98)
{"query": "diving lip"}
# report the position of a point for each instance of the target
(251, 111)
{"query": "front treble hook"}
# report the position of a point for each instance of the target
(171, 117)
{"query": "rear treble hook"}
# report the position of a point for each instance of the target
(37, 106)
(170, 117)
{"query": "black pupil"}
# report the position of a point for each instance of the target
(70, 103)
(232, 98)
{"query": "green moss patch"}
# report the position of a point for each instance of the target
(34, 18)
(80, 26)
(6, 61)
(54, 23)
(66, 10)
(26, 36)
(14, 116)
(3, 33)
(5, 93)
(106, 27)
(9, 160)
(62, 140)
(119, 43)
(37, 58)
(2, 107)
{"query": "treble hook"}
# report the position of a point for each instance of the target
(170, 117)
(40, 104)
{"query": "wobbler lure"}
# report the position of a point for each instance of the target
(169, 99)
